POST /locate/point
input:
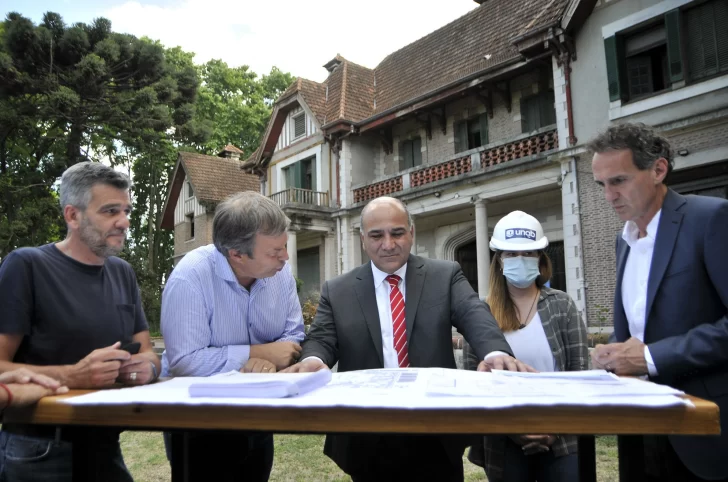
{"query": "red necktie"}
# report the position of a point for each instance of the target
(396, 302)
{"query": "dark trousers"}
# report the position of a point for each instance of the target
(662, 464)
(226, 456)
(25, 458)
(411, 458)
(543, 467)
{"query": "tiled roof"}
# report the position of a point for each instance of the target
(215, 178)
(478, 41)
(231, 148)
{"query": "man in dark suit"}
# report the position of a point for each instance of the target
(671, 299)
(398, 311)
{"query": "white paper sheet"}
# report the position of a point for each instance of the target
(418, 388)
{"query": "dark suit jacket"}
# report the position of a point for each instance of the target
(346, 330)
(686, 327)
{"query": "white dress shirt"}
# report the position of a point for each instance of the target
(635, 278)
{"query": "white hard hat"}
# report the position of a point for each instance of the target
(518, 231)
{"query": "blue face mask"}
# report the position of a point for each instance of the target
(520, 271)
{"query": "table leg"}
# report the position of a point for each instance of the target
(179, 455)
(81, 452)
(631, 458)
(587, 459)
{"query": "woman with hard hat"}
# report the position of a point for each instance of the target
(545, 331)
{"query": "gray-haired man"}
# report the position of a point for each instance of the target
(67, 309)
(232, 305)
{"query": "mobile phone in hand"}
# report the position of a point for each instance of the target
(132, 348)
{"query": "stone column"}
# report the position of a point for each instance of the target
(481, 243)
(330, 258)
(293, 252)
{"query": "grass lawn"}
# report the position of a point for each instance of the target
(301, 458)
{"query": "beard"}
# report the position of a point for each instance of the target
(96, 240)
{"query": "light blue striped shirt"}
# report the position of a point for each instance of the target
(209, 320)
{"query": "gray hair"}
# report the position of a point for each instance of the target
(383, 199)
(646, 145)
(243, 215)
(78, 180)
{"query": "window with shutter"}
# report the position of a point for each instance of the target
(537, 111)
(707, 39)
(410, 153)
(299, 126)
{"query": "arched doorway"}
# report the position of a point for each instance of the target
(466, 255)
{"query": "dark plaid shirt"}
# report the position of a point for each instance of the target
(566, 335)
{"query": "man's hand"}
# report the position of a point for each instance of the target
(23, 376)
(137, 370)
(307, 365)
(626, 358)
(100, 368)
(258, 365)
(534, 444)
(504, 362)
(281, 353)
(28, 387)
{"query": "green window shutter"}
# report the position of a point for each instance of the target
(416, 152)
(615, 67)
(313, 174)
(297, 175)
(461, 137)
(720, 16)
(548, 109)
(483, 129)
(673, 23)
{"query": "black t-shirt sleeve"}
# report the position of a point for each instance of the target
(16, 295)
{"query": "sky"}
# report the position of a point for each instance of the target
(296, 36)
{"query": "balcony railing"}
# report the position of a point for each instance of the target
(453, 167)
(301, 196)
(491, 155)
(545, 141)
(378, 189)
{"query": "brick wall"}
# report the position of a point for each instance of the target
(203, 234)
(700, 139)
(599, 228)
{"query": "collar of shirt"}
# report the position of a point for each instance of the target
(631, 233)
(225, 271)
(379, 275)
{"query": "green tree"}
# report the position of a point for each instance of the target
(237, 104)
(74, 93)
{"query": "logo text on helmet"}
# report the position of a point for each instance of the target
(521, 233)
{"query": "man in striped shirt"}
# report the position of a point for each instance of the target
(228, 306)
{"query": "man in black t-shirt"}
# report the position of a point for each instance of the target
(67, 308)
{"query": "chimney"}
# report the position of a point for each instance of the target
(230, 152)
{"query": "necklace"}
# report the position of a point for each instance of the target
(528, 316)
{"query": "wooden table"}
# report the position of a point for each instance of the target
(703, 419)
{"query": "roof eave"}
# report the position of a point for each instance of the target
(436, 95)
(173, 190)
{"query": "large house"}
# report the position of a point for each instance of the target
(462, 125)
(491, 113)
